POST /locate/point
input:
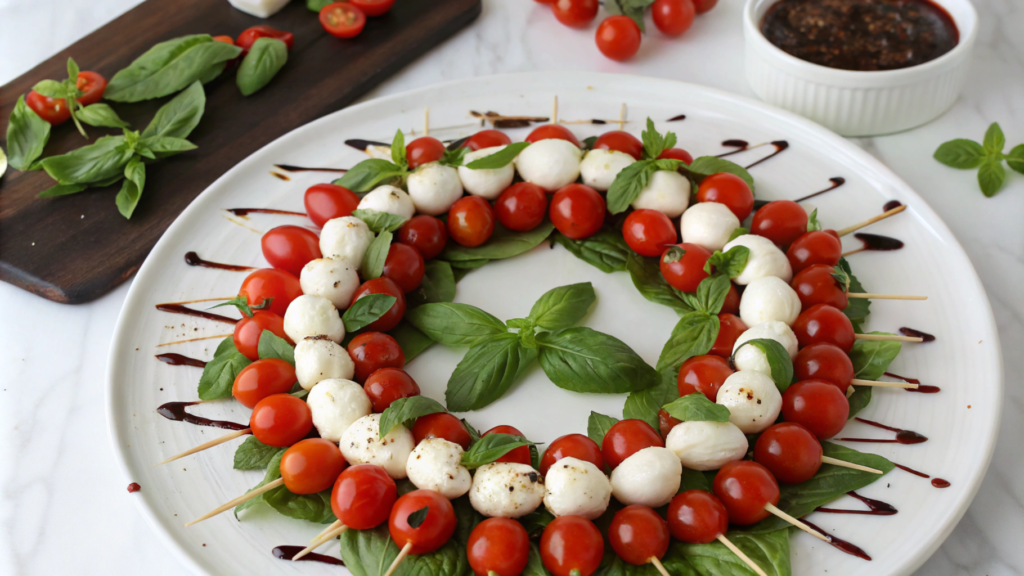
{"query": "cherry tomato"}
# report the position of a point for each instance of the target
(373, 8)
(676, 154)
(544, 1)
(280, 420)
(249, 36)
(648, 232)
(436, 529)
(521, 207)
(627, 437)
(789, 451)
(53, 110)
(393, 316)
(404, 266)
(552, 131)
(487, 139)
(265, 283)
(824, 362)
(697, 517)
(428, 235)
(683, 266)
(342, 20)
(519, 455)
(673, 17)
(815, 285)
(311, 466)
(371, 351)
(574, 13)
(571, 546)
(387, 385)
(248, 331)
(618, 38)
(290, 247)
(727, 189)
(745, 487)
(441, 425)
(704, 374)
(666, 422)
(572, 446)
(823, 323)
(93, 84)
(621, 141)
(731, 305)
(423, 150)
(703, 6)
(363, 496)
(818, 405)
(261, 379)
(638, 534)
(818, 247)
(224, 39)
(781, 221)
(498, 547)
(471, 221)
(577, 211)
(729, 330)
(328, 201)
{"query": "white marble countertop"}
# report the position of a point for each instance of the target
(63, 504)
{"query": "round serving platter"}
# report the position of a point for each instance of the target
(960, 422)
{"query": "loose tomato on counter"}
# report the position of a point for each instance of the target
(427, 234)
(498, 547)
(471, 221)
(521, 207)
(373, 8)
(673, 17)
(618, 38)
(486, 139)
(574, 13)
(387, 385)
(249, 36)
(577, 211)
(648, 232)
(55, 110)
(278, 286)
(342, 19)
(371, 351)
(393, 316)
(290, 248)
(93, 84)
(328, 201)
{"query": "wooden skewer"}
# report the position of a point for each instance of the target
(426, 121)
(883, 384)
(622, 116)
(845, 464)
(243, 498)
(334, 526)
(869, 221)
(746, 559)
(775, 510)
(887, 338)
(192, 340)
(554, 111)
(884, 296)
(593, 121)
(320, 542)
(657, 564)
(398, 559)
(854, 251)
(210, 444)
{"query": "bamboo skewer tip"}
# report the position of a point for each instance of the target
(398, 559)
(659, 566)
(243, 498)
(778, 512)
(742, 556)
(851, 465)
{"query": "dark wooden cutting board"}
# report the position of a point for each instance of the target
(77, 248)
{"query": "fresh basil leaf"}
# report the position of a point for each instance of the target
(410, 339)
(778, 360)
(273, 473)
(314, 508)
(504, 243)
(51, 88)
(226, 346)
(95, 162)
(645, 404)
(219, 374)
(587, 144)
(454, 158)
(255, 455)
(711, 292)
(741, 231)
(371, 552)
(273, 346)
(707, 165)
(994, 141)
(486, 372)
(585, 360)
(398, 150)
(265, 59)
(694, 480)
(462, 267)
(455, 325)
(369, 174)
(317, 5)
(628, 184)
(376, 255)
(871, 358)
(164, 146)
(499, 159)
(731, 263)
(490, 448)
(27, 134)
(177, 118)
(407, 410)
(366, 310)
(474, 434)
(62, 190)
(651, 284)
(858, 308)
(812, 222)
(102, 115)
(168, 67)
(131, 189)
(960, 153)
(673, 561)
(991, 176)
(563, 307)
(860, 399)
(693, 335)
(697, 408)
(466, 519)
(607, 250)
(598, 425)
(1015, 158)
(380, 221)
(438, 285)
(769, 551)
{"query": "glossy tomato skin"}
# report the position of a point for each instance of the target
(673, 17)
(727, 189)
(621, 141)
(815, 285)
(571, 543)
(261, 379)
(311, 466)
(436, 529)
(387, 385)
(745, 487)
(93, 84)
(281, 420)
(817, 247)
(574, 13)
(328, 201)
(666, 422)
(404, 266)
(441, 425)
(789, 451)
(824, 362)
(730, 326)
(394, 315)
(249, 36)
(471, 221)
(697, 517)
(618, 38)
(363, 496)
(572, 446)
(498, 546)
(486, 139)
(290, 248)
(224, 39)
(519, 455)
(822, 323)
(428, 235)
(521, 206)
(342, 20)
(684, 271)
(637, 534)
(577, 211)
(549, 131)
(648, 232)
(818, 405)
(248, 330)
(731, 305)
(53, 110)
(373, 8)
(781, 221)
(704, 374)
(627, 437)
(703, 6)
(676, 154)
(371, 351)
(423, 150)
(274, 283)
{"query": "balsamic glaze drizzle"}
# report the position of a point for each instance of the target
(921, 388)
(902, 436)
(740, 146)
(780, 146)
(875, 507)
(180, 360)
(836, 181)
(175, 411)
(360, 144)
(247, 211)
(936, 482)
(179, 309)
(289, 552)
(193, 259)
(291, 168)
(919, 334)
(877, 242)
(280, 176)
(677, 118)
(891, 204)
(835, 541)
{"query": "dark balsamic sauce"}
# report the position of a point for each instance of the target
(289, 552)
(740, 146)
(940, 483)
(851, 549)
(176, 412)
(180, 360)
(936, 482)
(878, 242)
(902, 436)
(280, 176)
(677, 118)
(456, 144)
(291, 168)
(134, 487)
(891, 204)
(193, 259)
(875, 507)
(179, 309)
(917, 333)
(921, 388)
(836, 181)
(247, 211)
(360, 144)
(780, 146)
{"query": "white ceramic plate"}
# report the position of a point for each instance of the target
(961, 422)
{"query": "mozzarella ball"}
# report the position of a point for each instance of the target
(310, 315)
(751, 357)
(576, 487)
(752, 399)
(335, 280)
(767, 299)
(336, 404)
(434, 187)
(667, 191)
(706, 445)
(650, 477)
(487, 183)
(708, 224)
(600, 167)
(319, 358)
(436, 464)
(345, 238)
(550, 164)
(388, 199)
(361, 444)
(765, 260)
(506, 489)
(379, 152)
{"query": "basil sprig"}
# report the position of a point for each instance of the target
(812, 221)
(219, 373)
(729, 263)
(632, 179)
(696, 331)
(265, 59)
(66, 90)
(27, 134)
(986, 157)
(374, 172)
(169, 67)
(697, 408)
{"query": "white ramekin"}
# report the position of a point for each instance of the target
(859, 103)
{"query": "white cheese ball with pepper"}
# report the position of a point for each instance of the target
(765, 259)
(753, 400)
(310, 315)
(600, 167)
(769, 299)
(336, 404)
(345, 239)
(708, 224)
(550, 164)
(650, 477)
(488, 183)
(706, 445)
(667, 191)
(436, 464)
(361, 444)
(751, 357)
(320, 358)
(389, 199)
(575, 487)
(336, 280)
(433, 188)
(506, 490)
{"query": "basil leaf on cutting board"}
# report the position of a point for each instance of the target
(169, 67)
(265, 59)
(131, 189)
(103, 159)
(178, 117)
(101, 115)
(27, 135)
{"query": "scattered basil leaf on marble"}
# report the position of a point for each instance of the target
(168, 67)
(986, 157)
(265, 59)
(366, 310)
(27, 135)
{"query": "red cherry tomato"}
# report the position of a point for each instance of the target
(704, 374)
(789, 451)
(673, 17)
(648, 232)
(638, 534)
(373, 8)
(423, 150)
(471, 221)
(311, 466)
(552, 131)
(731, 305)
(618, 38)
(818, 247)
(328, 201)
(224, 39)
(53, 110)
(261, 379)
(498, 547)
(730, 190)
(815, 285)
(521, 207)
(730, 328)
(697, 517)
(676, 154)
(571, 546)
(703, 6)
(371, 351)
(572, 446)
(342, 20)
(248, 331)
(824, 362)
(249, 36)
(266, 283)
(745, 487)
(574, 13)
(290, 247)
(683, 266)
(666, 422)
(93, 84)
(363, 496)
(818, 405)
(577, 211)
(441, 425)
(620, 141)
(428, 235)
(280, 420)
(781, 221)
(519, 455)
(626, 438)
(824, 323)
(387, 385)
(436, 529)
(392, 317)
(486, 139)
(404, 266)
